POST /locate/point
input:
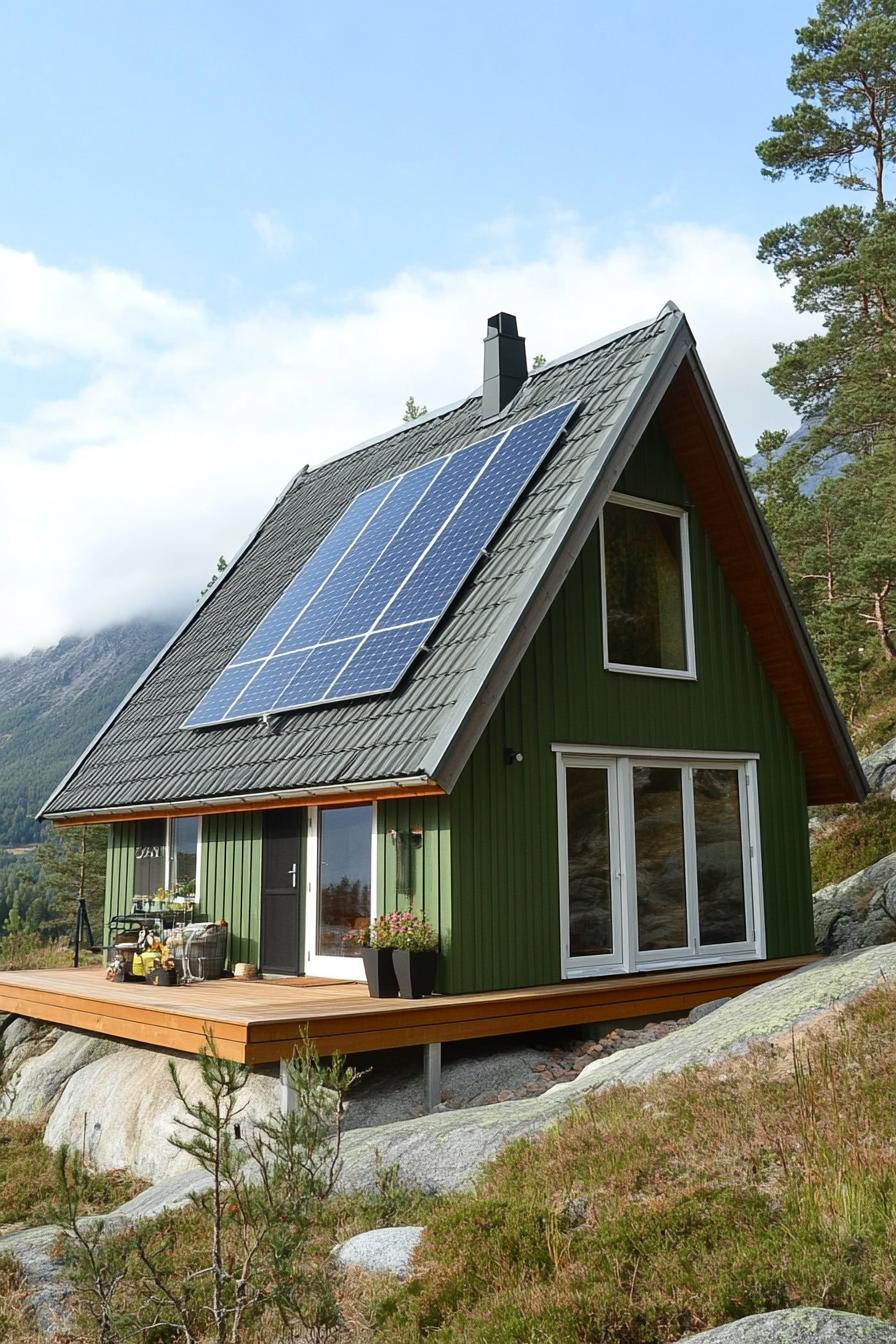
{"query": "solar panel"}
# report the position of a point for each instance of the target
(364, 603)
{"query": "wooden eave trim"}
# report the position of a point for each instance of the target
(737, 540)
(342, 798)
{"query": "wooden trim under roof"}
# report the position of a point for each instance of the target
(753, 575)
(342, 797)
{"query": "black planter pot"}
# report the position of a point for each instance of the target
(415, 973)
(378, 968)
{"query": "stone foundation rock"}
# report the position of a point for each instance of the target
(858, 912)
(800, 1325)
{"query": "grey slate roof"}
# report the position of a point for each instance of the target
(144, 757)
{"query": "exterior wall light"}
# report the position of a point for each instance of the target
(512, 756)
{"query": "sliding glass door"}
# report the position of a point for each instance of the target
(659, 862)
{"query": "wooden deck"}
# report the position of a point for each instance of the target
(260, 1021)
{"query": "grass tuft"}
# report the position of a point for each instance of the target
(28, 1180)
(17, 1324)
(854, 839)
(658, 1211)
(24, 951)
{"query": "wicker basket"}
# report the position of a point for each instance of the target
(245, 970)
(204, 951)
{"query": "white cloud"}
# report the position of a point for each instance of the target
(116, 500)
(270, 228)
(48, 314)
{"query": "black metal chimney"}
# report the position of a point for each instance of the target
(505, 369)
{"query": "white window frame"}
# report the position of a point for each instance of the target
(169, 853)
(168, 856)
(688, 673)
(626, 957)
(338, 968)
(616, 961)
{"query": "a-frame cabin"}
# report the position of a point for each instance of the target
(585, 749)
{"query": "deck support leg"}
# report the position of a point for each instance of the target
(288, 1099)
(432, 1075)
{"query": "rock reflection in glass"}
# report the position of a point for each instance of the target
(720, 867)
(589, 862)
(659, 857)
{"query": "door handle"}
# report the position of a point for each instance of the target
(293, 871)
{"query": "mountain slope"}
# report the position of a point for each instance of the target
(52, 703)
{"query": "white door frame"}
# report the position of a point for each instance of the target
(620, 762)
(608, 962)
(337, 968)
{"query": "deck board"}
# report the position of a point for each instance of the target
(261, 1021)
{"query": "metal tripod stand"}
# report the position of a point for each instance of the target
(82, 927)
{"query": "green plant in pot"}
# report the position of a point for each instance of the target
(414, 944)
(378, 968)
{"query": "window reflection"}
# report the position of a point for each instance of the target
(720, 864)
(343, 875)
(588, 856)
(184, 849)
(659, 852)
(644, 588)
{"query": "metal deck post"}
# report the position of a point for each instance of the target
(432, 1075)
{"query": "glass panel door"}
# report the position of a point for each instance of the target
(660, 871)
(340, 888)
(718, 827)
(591, 904)
(659, 862)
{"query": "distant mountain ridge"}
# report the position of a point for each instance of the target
(831, 467)
(52, 703)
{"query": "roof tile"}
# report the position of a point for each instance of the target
(144, 756)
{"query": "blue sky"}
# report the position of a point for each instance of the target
(226, 225)
(147, 136)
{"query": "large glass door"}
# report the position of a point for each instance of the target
(659, 862)
(591, 906)
(723, 858)
(660, 877)
(340, 887)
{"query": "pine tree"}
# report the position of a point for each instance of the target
(837, 540)
(61, 856)
(412, 411)
(841, 260)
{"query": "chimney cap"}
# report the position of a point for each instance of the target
(504, 364)
(502, 324)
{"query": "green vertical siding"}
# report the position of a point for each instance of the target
(486, 870)
(504, 844)
(422, 876)
(119, 870)
(230, 882)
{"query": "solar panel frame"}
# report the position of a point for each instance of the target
(393, 631)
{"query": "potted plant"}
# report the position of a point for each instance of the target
(378, 968)
(414, 945)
